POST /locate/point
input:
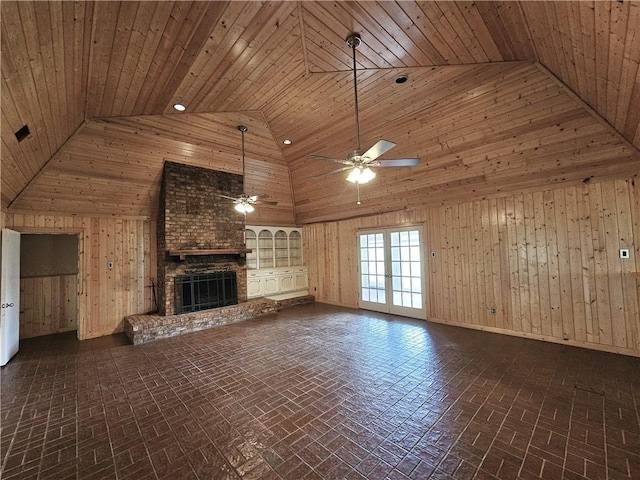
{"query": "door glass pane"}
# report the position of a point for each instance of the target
(406, 269)
(417, 300)
(395, 239)
(406, 299)
(397, 298)
(395, 269)
(407, 282)
(415, 269)
(372, 267)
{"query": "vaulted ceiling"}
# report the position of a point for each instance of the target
(501, 96)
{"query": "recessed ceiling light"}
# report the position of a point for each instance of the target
(402, 79)
(179, 107)
(287, 142)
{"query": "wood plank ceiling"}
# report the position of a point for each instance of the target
(501, 96)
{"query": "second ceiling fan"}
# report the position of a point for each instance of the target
(360, 161)
(245, 203)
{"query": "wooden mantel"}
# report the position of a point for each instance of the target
(216, 251)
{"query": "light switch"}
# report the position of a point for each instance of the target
(110, 265)
(624, 253)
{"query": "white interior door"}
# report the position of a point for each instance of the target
(10, 295)
(391, 271)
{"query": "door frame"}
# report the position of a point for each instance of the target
(80, 305)
(388, 307)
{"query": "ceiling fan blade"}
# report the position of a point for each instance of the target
(333, 171)
(329, 159)
(226, 196)
(398, 162)
(380, 148)
(265, 202)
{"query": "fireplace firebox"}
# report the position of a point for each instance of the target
(205, 291)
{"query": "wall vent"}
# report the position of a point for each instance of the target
(23, 133)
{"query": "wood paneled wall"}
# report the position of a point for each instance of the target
(105, 296)
(114, 167)
(500, 129)
(548, 261)
(48, 305)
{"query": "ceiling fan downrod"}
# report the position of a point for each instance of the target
(354, 41)
(243, 129)
(242, 204)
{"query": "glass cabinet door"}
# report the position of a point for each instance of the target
(295, 248)
(251, 242)
(281, 249)
(265, 249)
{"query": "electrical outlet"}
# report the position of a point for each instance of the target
(624, 253)
(494, 311)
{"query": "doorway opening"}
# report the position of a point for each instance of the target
(48, 284)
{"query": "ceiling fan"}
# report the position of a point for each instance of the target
(360, 161)
(245, 202)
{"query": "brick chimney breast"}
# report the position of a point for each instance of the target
(191, 216)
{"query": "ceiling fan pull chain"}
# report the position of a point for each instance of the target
(358, 190)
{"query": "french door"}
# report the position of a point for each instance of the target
(391, 271)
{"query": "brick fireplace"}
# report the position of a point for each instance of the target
(199, 233)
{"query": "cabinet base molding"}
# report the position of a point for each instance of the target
(286, 296)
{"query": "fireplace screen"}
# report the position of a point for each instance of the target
(202, 292)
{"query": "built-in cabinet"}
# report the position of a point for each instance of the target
(275, 264)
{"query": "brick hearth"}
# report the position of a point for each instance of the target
(146, 328)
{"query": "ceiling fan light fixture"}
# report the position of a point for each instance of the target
(244, 207)
(361, 175)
